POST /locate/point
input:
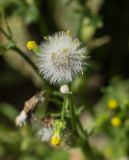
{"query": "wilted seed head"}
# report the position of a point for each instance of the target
(21, 119)
(45, 133)
(61, 58)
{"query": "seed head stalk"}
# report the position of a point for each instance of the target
(64, 107)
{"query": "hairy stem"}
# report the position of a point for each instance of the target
(77, 127)
(5, 34)
(72, 112)
(19, 51)
(64, 107)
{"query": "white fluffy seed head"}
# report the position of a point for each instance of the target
(61, 58)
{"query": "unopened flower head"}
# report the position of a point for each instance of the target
(116, 121)
(31, 45)
(61, 58)
(112, 104)
(56, 139)
(64, 89)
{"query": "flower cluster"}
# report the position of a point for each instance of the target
(113, 105)
(60, 60)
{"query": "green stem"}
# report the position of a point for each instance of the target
(55, 115)
(15, 48)
(5, 34)
(64, 107)
(72, 112)
(55, 101)
(80, 130)
(86, 148)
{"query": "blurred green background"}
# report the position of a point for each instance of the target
(102, 26)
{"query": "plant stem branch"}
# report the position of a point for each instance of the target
(15, 48)
(72, 112)
(77, 127)
(55, 101)
(18, 50)
(65, 104)
(5, 34)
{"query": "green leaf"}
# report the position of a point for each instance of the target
(8, 110)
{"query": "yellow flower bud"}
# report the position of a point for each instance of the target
(112, 104)
(55, 139)
(116, 121)
(31, 45)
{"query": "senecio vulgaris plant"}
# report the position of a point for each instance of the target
(60, 59)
